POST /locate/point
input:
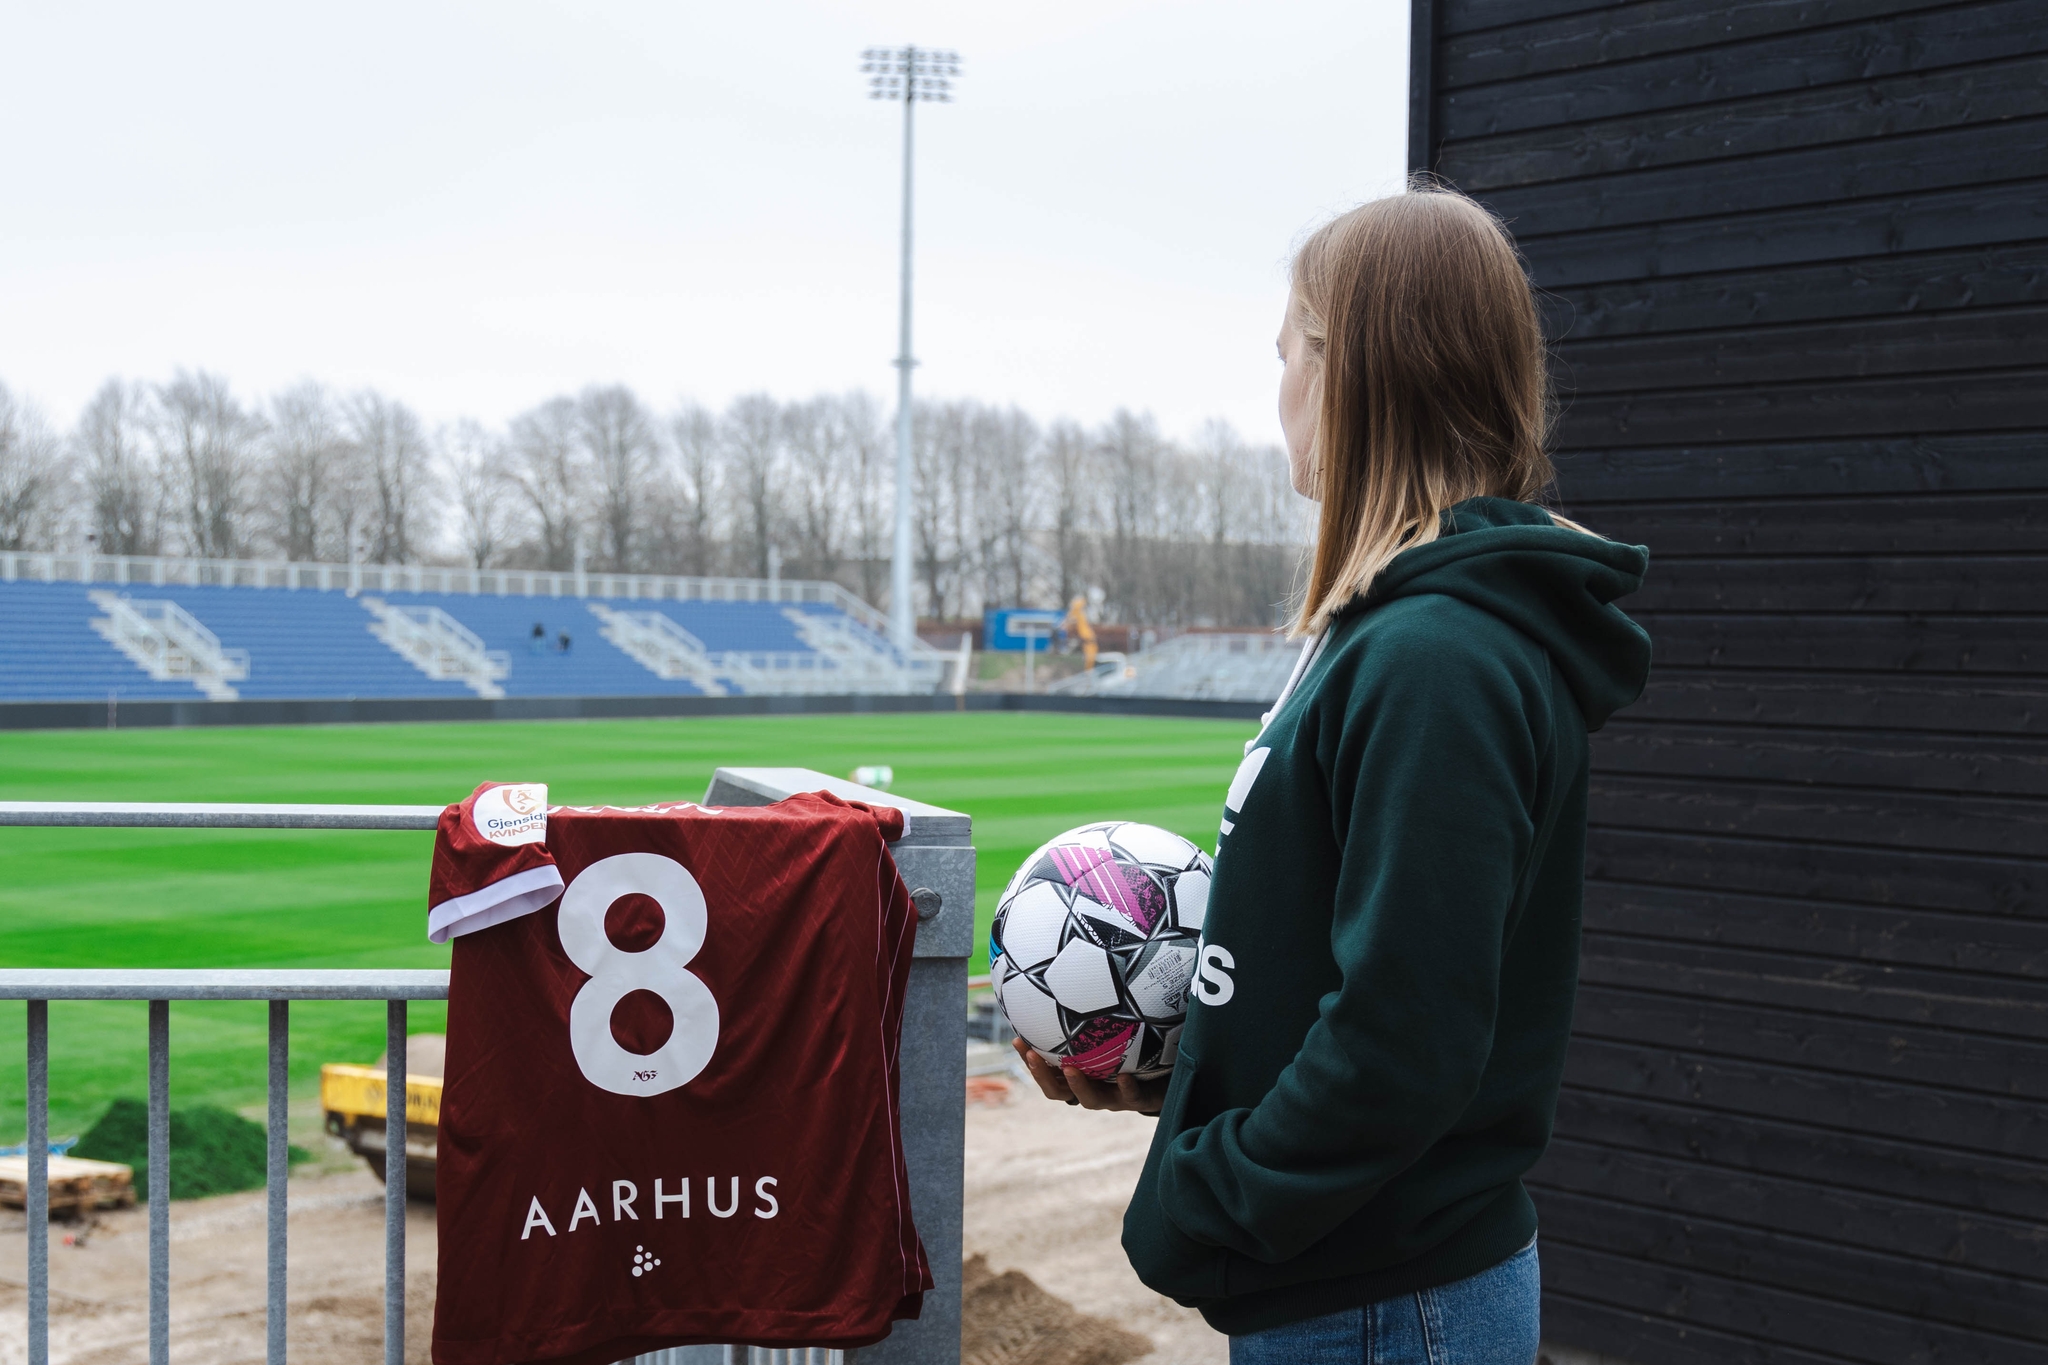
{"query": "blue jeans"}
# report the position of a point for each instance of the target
(1492, 1318)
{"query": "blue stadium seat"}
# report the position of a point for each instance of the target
(50, 652)
(313, 644)
(304, 644)
(593, 667)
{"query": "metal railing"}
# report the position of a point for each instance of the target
(935, 856)
(159, 988)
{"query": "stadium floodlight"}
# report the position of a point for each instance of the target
(906, 75)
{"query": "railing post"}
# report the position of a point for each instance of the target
(159, 1182)
(38, 1201)
(280, 1169)
(394, 1182)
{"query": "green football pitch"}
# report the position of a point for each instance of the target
(190, 898)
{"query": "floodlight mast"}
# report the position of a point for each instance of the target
(907, 74)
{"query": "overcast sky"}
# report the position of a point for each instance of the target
(475, 207)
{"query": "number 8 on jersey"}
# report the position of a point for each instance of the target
(615, 973)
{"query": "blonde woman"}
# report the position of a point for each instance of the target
(1373, 1051)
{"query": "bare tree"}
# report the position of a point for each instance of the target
(937, 453)
(698, 451)
(1129, 450)
(1274, 514)
(303, 470)
(821, 446)
(392, 449)
(205, 436)
(1221, 473)
(1067, 462)
(619, 450)
(547, 470)
(1002, 512)
(31, 476)
(872, 505)
(753, 446)
(1005, 447)
(476, 472)
(125, 491)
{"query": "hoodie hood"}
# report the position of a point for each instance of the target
(1556, 586)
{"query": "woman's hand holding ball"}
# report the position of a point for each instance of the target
(1067, 1083)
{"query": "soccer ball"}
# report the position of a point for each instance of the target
(1094, 946)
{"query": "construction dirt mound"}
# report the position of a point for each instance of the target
(1008, 1320)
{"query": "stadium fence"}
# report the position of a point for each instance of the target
(935, 856)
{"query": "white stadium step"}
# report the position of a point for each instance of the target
(166, 642)
(660, 646)
(439, 646)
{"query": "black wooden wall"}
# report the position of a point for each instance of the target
(1796, 253)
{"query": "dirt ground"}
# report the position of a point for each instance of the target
(1046, 1188)
(99, 1279)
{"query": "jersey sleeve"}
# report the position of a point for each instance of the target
(491, 860)
(888, 819)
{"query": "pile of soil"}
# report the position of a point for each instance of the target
(213, 1150)
(1008, 1320)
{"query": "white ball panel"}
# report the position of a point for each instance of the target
(1032, 921)
(1191, 899)
(1151, 844)
(1031, 1013)
(1081, 979)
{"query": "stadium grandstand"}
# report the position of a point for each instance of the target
(1202, 666)
(91, 627)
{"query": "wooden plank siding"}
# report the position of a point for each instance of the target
(1793, 257)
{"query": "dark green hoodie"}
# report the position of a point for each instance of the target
(1392, 943)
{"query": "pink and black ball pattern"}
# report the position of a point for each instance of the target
(1094, 947)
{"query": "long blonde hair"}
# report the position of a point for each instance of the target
(1433, 388)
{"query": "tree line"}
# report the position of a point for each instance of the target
(1006, 510)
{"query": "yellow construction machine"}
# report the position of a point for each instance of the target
(353, 1098)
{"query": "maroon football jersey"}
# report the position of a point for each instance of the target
(670, 1108)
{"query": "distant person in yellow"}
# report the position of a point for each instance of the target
(1076, 627)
